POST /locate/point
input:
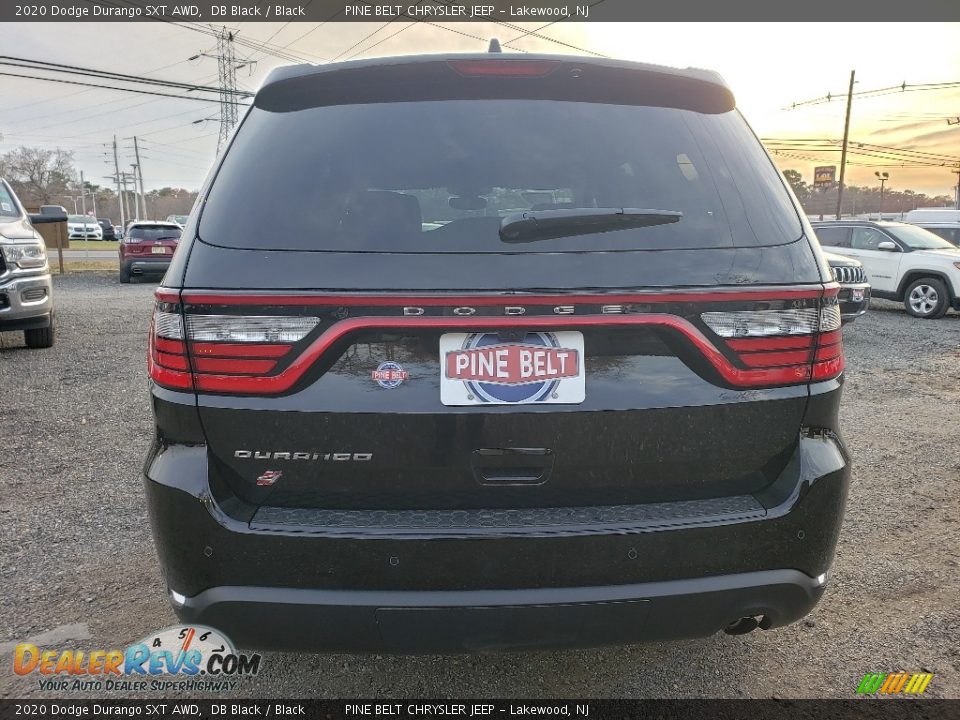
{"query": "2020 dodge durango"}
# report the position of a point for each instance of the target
(533, 352)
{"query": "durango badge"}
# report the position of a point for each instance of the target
(539, 367)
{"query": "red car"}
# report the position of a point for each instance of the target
(148, 248)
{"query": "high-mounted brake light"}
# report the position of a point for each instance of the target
(504, 68)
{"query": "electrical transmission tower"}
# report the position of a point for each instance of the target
(227, 64)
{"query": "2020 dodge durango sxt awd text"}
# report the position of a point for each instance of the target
(538, 352)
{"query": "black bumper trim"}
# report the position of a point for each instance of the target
(453, 621)
(30, 323)
(519, 521)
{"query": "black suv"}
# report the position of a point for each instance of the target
(477, 352)
(109, 232)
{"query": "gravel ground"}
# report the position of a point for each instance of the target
(77, 566)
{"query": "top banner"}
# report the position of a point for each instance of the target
(500, 11)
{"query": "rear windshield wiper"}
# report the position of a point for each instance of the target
(534, 225)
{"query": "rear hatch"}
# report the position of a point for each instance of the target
(486, 283)
(151, 241)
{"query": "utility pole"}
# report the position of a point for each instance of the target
(116, 170)
(143, 197)
(123, 200)
(957, 173)
(136, 200)
(843, 152)
(83, 197)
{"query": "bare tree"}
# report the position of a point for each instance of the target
(39, 175)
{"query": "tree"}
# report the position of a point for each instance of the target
(39, 175)
(800, 188)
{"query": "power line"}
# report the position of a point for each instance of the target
(114, 87)
(108, 75)
(879, 92)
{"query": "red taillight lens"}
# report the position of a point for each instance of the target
(167, 357)
(504, 68)
(219, 353)
(786, 346)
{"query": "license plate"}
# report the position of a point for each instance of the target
(159, 250)
(856, 295)
(490, 369)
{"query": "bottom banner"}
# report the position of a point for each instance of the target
(419, 709)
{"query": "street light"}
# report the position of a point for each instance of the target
(883, 178)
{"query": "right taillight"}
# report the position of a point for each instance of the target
(789, 345)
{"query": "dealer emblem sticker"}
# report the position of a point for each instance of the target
(390, 375)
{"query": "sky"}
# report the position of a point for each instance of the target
(769, 66)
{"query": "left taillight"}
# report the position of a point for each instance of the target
(219, 353)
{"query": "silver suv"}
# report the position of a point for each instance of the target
(26, 298)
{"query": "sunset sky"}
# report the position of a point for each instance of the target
(769, 67)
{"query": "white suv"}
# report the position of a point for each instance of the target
(903, 262)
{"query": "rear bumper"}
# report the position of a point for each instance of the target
(147, 265)
(26, 302)
(340, 589)
(490, 620)
(851, 309)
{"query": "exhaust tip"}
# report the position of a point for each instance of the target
(742, 626)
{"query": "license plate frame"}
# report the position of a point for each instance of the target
(536, 368)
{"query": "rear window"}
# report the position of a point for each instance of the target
(438, 176)
(153, 232)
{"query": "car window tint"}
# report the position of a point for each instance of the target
(153, 232)
(833, 236)
(447, 172)
(8, 208)
(866, 238)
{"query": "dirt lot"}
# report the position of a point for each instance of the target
(77, 567)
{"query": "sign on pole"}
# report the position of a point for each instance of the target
(824, 176)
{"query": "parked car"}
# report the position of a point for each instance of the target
(83, 227)
(147, 248)
(586, 424)
(26, 290)
(949, 231)
(932, 215)
(106, 225)
(904, 262)
(854, 297)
